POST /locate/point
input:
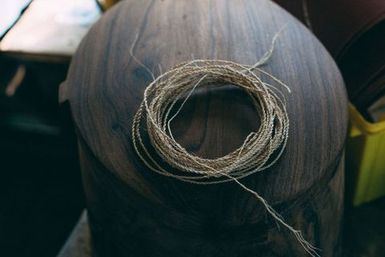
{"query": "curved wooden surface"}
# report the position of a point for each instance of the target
(79, 242)
(231, 224)
(105, 87)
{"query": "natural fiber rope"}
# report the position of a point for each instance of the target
(260, 150)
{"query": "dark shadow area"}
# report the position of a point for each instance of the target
(40, 186)
(364, 231)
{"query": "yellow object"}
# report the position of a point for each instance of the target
(366, 157)
(106, 4)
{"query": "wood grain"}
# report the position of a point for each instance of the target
(105, 86)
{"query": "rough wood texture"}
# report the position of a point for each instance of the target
(364, 233)
(134, 212)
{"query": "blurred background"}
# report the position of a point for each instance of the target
(40, 188)
(41, 195)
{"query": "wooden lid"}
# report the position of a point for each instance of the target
(105, 87)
